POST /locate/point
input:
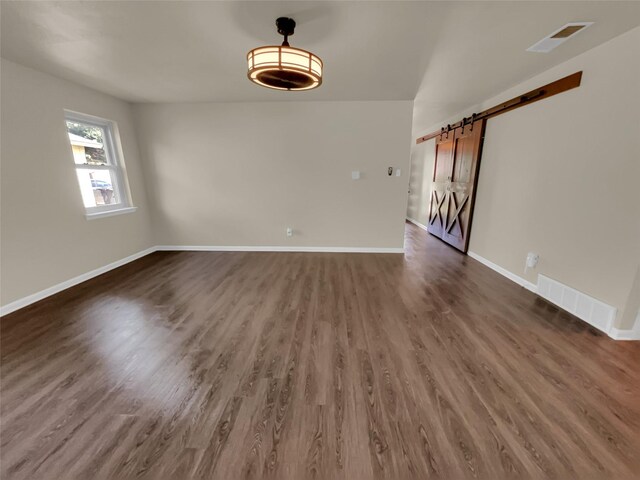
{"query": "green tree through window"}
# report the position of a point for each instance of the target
(85, 131)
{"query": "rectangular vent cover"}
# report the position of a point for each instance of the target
(587, 308)
(558, 37)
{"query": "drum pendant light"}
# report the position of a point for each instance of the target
(284, 67)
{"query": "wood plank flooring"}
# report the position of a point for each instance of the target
(199, 365)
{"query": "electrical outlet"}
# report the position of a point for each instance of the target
(531, 261)
(289, 232)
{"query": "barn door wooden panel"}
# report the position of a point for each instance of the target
(454, 184)
(440, 181)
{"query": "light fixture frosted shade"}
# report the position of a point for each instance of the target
(284, 68)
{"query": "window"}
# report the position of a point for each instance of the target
(99, 167)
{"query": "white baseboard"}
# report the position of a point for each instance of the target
(417, 224)
(632, 334)
(613, 332)
(47, 292)
(618, 334)
(589, 309)
(276, 248)
(504, 272)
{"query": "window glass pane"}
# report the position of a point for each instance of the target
(97, 187)
(87, 143)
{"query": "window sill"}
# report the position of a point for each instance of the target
(110, 213)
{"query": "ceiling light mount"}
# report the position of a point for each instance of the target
(284, 67)
(286, 26)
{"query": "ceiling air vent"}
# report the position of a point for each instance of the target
(561, 35)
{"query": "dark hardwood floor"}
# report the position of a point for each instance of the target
(307, 365)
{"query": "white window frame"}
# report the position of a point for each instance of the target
(115, 165)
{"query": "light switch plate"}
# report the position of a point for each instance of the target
(355, 175)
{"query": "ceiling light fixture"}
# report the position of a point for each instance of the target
(284, 67)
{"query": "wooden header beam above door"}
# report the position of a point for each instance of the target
(546, 91)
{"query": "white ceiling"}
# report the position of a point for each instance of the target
(182, 51)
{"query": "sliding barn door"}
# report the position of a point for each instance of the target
(440, 184)
(455, 176)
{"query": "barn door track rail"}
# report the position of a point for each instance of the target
(546, 91)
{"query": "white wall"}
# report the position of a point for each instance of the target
(560, 177)
(238, 174)
(45, 238)
(421, 173)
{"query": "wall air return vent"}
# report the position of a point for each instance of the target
(558, 37)
(592, 311)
